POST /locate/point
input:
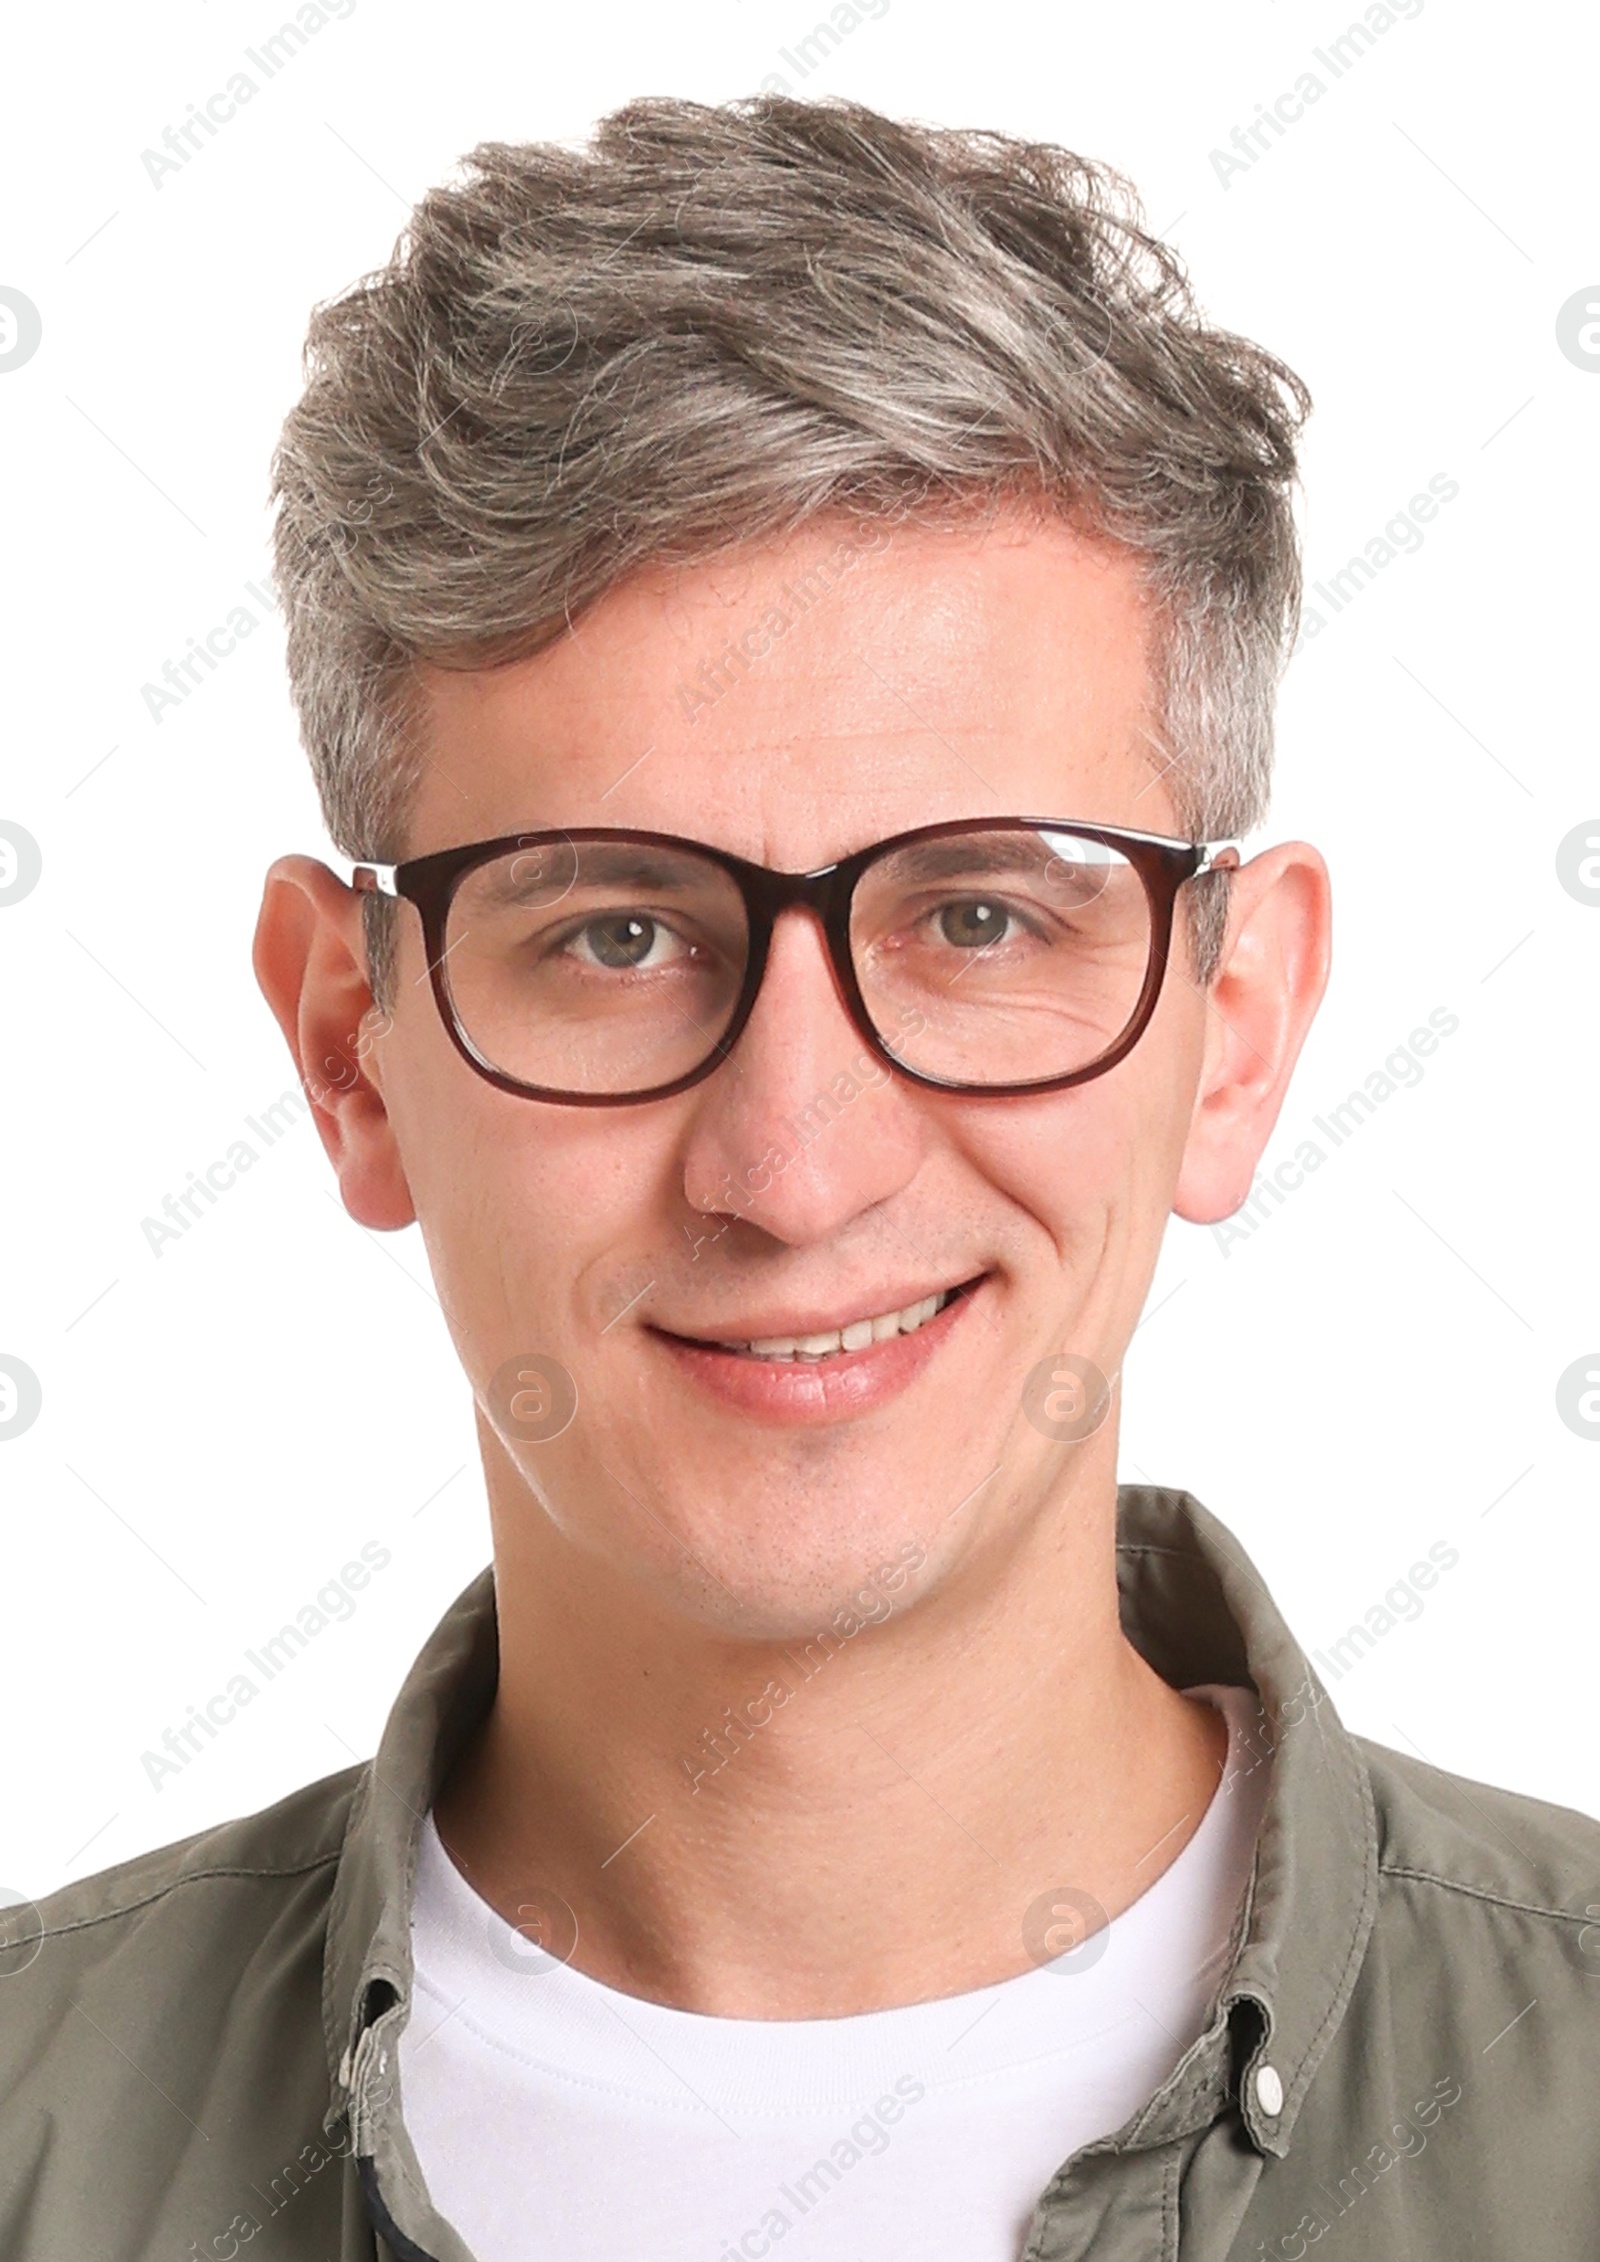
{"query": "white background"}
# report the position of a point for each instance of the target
(1373, 1370)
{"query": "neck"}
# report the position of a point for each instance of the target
(831, 1823)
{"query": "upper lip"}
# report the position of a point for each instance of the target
(777, 1321)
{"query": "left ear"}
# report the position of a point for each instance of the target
(1259, 1007)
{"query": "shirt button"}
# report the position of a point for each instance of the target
(1269, 2091)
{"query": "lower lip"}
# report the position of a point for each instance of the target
(817, 1390)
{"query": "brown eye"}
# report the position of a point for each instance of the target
(970, 926)
(625, 941)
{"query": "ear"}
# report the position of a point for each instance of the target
(311, 962)
(1259, 1008)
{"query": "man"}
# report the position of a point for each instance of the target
(784, 609)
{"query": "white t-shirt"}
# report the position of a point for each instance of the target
(558, 2120)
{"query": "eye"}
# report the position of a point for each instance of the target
(623, 941)
(973, 925)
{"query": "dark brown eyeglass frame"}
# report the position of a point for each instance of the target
(429, 882)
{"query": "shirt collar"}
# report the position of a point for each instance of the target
(1196, 1609)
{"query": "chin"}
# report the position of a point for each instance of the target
(754, 1593)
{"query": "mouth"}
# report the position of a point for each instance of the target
(816, 1374)
(837, 1342)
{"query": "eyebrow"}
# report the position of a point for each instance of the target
(1027, 852)
(594, 864)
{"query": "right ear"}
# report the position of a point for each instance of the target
(311, 962)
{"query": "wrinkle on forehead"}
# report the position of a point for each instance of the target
(946, 673)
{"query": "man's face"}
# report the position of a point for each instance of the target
(801, 1187)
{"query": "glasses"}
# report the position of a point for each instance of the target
(602, 967)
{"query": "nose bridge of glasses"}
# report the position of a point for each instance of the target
(774, 892)
(823, 893)
(820, 898)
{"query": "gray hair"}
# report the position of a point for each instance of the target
(712, 324)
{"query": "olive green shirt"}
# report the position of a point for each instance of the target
(198, 2048)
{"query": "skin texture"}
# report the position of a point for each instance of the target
(987, 1735)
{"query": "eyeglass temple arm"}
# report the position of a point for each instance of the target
(373, 879)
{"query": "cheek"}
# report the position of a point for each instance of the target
(526, 1210)
(1085, 1165)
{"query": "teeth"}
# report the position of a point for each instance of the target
(855, 1337)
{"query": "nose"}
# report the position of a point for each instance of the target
(803, 1127)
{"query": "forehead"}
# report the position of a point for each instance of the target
(793, 700)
